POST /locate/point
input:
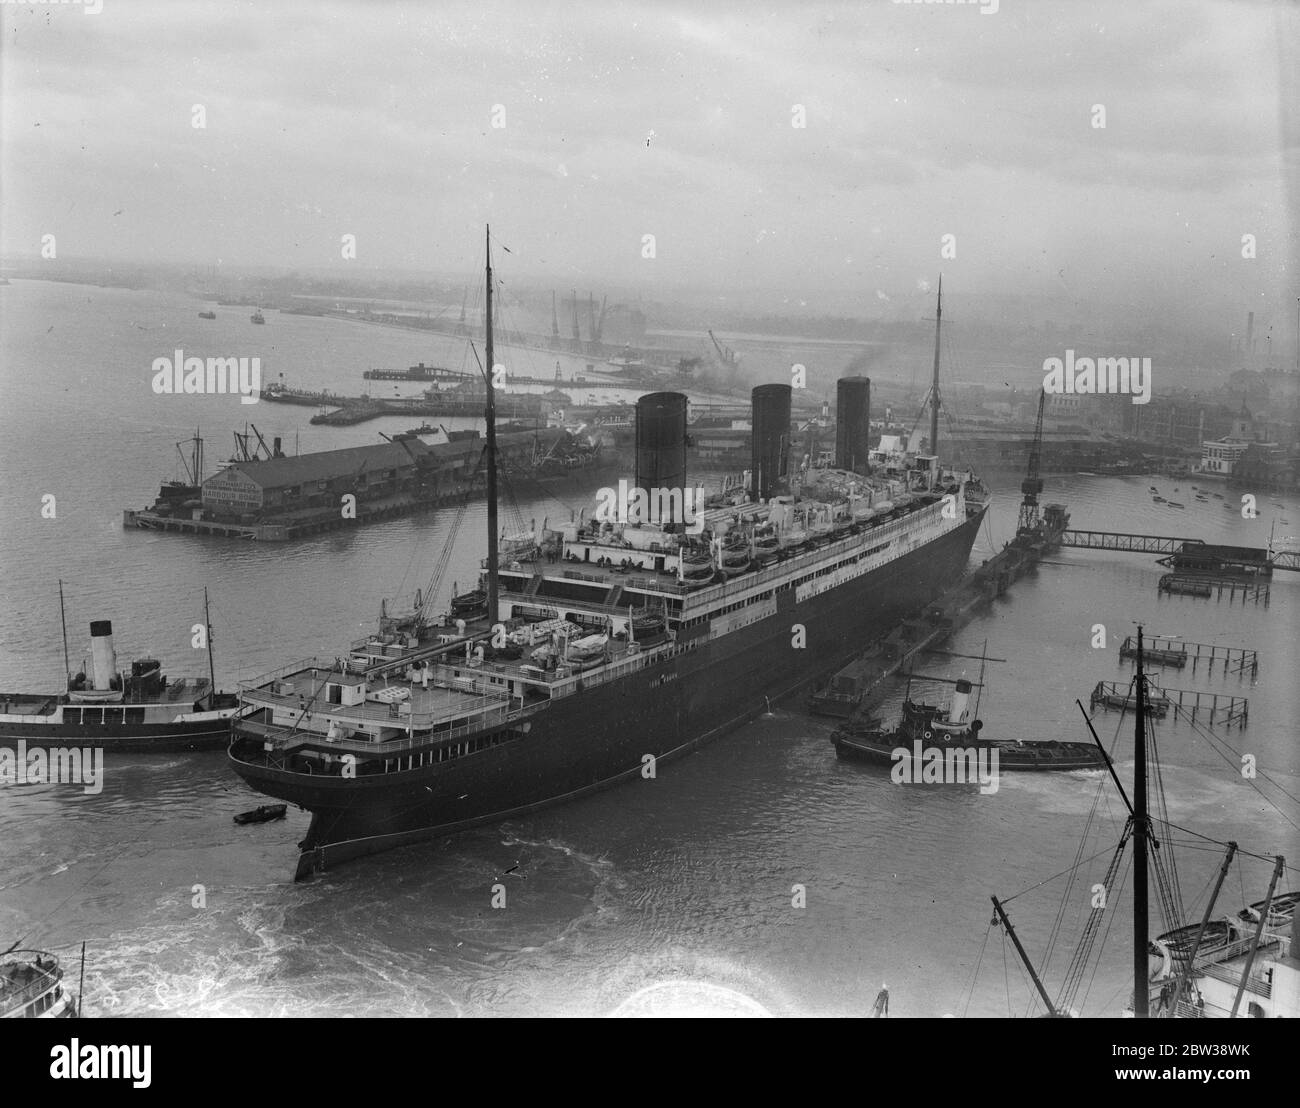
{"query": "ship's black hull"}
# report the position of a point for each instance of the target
(1057, 757)
(144, 738)
(602, 735)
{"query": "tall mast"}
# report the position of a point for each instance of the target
(1141, 930)
(207, 628)
(63, 619)
(1186, 975)
(1042, 992)
(490, 417)
(934, 385)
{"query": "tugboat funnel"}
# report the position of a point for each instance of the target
(102, 655)
(960, 700)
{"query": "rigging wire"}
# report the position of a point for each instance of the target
(970, 988)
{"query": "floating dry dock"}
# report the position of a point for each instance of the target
(349, 410)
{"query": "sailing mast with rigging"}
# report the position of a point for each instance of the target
(490, 416)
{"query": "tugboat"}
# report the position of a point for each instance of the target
(137, 711)
(927, 727)
(31, 986)
(257, 316)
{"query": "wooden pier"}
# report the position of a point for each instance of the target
(1189, 584)
(1158, 651)
(1221, 708)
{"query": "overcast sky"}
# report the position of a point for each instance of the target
(672, 120)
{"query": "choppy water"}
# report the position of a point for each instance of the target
(669, 895)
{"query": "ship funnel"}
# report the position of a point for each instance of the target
(102, 655)
(960, 700)
(770, 441)
(661, 454)
(852, 423)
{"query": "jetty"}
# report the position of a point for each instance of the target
(1166, 651)
(1220, 707)
(1205, 587)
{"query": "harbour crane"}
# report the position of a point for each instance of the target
(1032, 485)
(726, 354)
(598, 321)
(246, 452)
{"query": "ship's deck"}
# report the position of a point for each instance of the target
(303, 690)
(181, 690)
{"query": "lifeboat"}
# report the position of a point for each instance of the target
(585, 649)
(469, 604)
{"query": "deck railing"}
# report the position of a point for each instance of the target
(12, 996)
(285, 740)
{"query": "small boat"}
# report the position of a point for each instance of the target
(469, 604)
(590, 646)
(1175, 504)
(31, 986)
(1159, 500)
(265, 814)
(649, 628)
(1217, 495)
(1152, 488)
(258, 317)
(207, 315)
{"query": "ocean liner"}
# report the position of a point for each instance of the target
(622, 643)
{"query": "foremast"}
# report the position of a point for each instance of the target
(490, 418)
(934, 384)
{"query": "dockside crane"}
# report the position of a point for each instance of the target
(1032, 485)
(726, 354)
(598, 321)
(245, 451)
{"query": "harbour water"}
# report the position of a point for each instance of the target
(676, 893)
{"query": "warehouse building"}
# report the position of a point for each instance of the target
(250, 490)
